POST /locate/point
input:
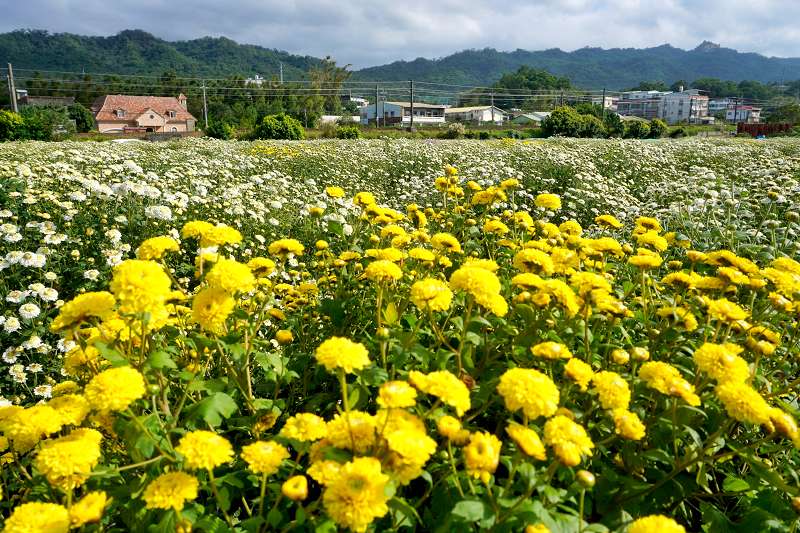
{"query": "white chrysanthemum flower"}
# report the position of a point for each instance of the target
(91, 275)
(29, 311)
(43, 391)
(159, 212)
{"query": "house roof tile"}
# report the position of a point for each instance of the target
(134, 106)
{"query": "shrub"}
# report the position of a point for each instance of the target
(11, 126)
(456, 130)
(280, 126)
(84, 119)
(591, 126)
(348, 132)
(637, 129)
(614, 125)
(46, 123)
(220, 130)
(563, 121)
(677, 132)
(657, 128)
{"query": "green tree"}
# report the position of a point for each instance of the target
(84, 120)
(657, 128)
(786, 113)
(11, 126)
(280, 126)
(637, 129)
(591, 126)
(46, 123)
(564, 121)
(219, 129)
(650, 86)
(614, 125)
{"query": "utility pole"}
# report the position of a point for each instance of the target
(562, 98)
(281, 75)
(205, 105)
(12, 89)
(377, 123)
(411, 88)
(691, 101)
(603, 104)
(491, 101)
(736, 112)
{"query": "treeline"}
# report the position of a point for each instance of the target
(231, 101)
(716, 88)
(543, 90)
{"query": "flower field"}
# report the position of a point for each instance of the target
(561, 335)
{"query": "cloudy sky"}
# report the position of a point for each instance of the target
(370, 32)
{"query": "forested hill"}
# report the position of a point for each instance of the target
(138, 52)
(589, 68)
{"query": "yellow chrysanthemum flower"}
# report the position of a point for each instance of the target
(67, 461)
(529, 390)
(38, 516)
(295, 488)
(88, 509)
(341, 353)
(157, 247)
(396, 394)
(431, 294)
(204, 450)
(305, 427)
(551, 350)
(612, 390)
(170, 491)
(115, 389)
(356, 496)
(744, 403)
(445, 386)
(568, 440)
(482, 455)
(211, 308)
(231, 276)
(655, 524)
(264, 457)
(527, 441)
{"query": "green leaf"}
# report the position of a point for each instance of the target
(161, 359)
(735, 484)
(328, 526)
(470, 510)
(214, 408)
(405, 510)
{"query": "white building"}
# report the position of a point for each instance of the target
(686, 106)
(642, 104)
(486, 114)
(608, 102)
(390, 113)
(720, 105)
(534, 118)
(743, 113)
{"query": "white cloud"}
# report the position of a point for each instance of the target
(368, 32)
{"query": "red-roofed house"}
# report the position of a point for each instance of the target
(117, 113)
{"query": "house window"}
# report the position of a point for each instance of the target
(120, 113)
(152, 116)
(171, 114)
(174, 129)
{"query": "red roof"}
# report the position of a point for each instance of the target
(104, 107)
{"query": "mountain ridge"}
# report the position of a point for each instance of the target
(137, 52)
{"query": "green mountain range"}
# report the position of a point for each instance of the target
(138, 52)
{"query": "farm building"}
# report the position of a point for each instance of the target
(487, 114)
(531, 119)
(158, 114)
(400, 113)
(743, 113)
